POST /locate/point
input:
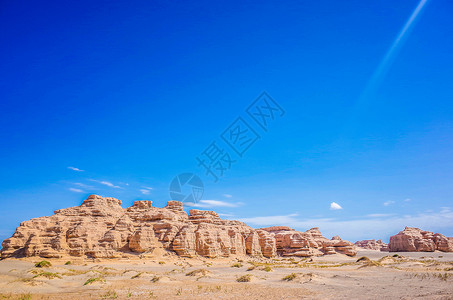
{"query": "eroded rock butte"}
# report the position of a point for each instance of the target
(416, 240)
(101, 228)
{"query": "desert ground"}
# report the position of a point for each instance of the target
(369, 275)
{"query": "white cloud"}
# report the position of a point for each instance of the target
(407, 200)
(335, 206)
(85, 186)
(145, 191)
(364, 228)
(212, 203)
(379, 215)
(107, 183)
(225, 215)
(285, 220)
(387, 203)
(227, 195)
(76, 190)
(75, 169)
(445, 210)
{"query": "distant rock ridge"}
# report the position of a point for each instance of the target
(372, 245)
(416, 240)
(101, 228)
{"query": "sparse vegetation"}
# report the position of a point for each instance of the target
(363, 259)
(25, 297)
(244, 278)
(251, 268)
(93, 280)
(179, 292)
(161, 263)
(155, 279)
(137, 275)
(67, 263)
(236, 265)
(110, 295)
(290, 277)
(396, 255)
(202, 272)
(48, 275)
(267, 269)
(43, 264)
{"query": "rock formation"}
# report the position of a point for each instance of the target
(372, 245)
(417, 240)
(290, 242)
(101, 228)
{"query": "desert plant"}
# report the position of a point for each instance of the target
(236, 265)
(290, 277)
(25, 297)
(48, 275)
(110, 295)
(244, 278)
(363, 259)
(137, 275)
(93, 280)
(155, 279)
(267, 269)
(179, 292)
(161, 263)
(43, 264)
(251, 268)
(202, 272)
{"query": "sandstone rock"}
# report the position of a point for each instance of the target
(101, 228)
(372, 245)
(417, 240)
(290, 242)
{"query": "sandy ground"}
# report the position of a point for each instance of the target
(409, 276)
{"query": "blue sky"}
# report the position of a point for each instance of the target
(131, 93)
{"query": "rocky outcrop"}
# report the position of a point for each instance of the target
(417, 240)
(101, 228)
(378, 245)
(290, 242)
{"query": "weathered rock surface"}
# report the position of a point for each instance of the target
(417, 240)
(372, 245)
(290, 242)
(101, 228)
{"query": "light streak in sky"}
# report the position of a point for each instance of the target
(391, 53)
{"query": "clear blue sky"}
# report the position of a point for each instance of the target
(132, 92)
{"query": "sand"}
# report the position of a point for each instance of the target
(411, 275)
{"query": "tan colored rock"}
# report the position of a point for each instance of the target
(101, 228)
(290, 242)
(372, 245)
(416, 240)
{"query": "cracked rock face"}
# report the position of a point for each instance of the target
(101, 228)
(417, 240)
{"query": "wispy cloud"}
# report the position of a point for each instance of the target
(227, 195)
(271, 220)
(335, 206)
(76, 190)
(387, 203)
(107, 183)
(226, 215)
(362, 228)
(212, 203)
(75, 169)
(379, 215)
(83, 185)
(146, 190)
